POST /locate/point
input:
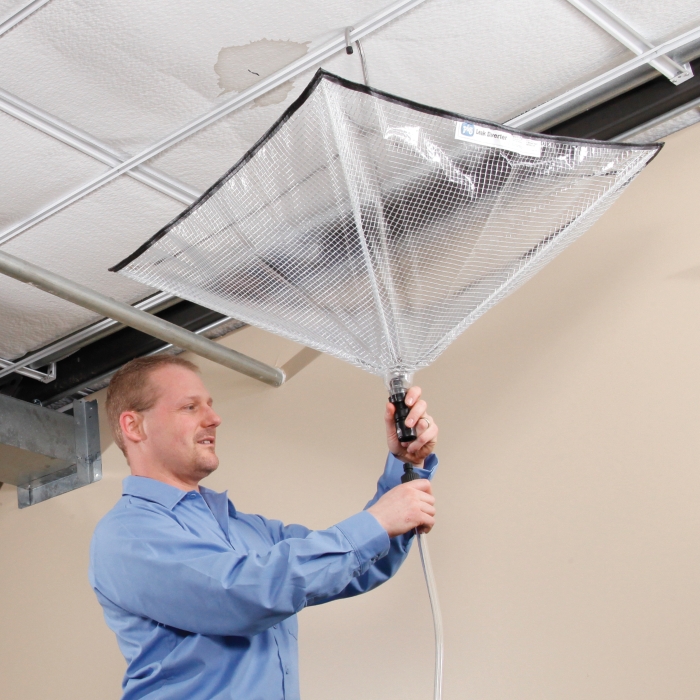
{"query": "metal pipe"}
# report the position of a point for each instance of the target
(609, 22)
(311, 59)
(16, 17)
(90, 386)
(90, 334)
(106, 306)
(549, 113)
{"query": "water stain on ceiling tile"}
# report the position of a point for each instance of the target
(239, 67)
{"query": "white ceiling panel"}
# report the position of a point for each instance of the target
(488, 63)
(130, 73)
(658, 21)
(477, 72)
(36, 169)
(202, 158)
(80, 243)
(10, 7)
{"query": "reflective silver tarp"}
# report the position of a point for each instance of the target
(376, 229)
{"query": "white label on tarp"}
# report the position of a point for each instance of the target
(483, 136)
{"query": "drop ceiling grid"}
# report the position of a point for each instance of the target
(80, 243)
(36, 169)
(129, 73)
(487, 63)
(473, 73)
(658, 21)
(10, 7)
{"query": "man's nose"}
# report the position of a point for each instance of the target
(213, 420)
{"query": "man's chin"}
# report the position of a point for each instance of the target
(207, 466)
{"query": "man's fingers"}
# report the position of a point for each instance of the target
(426, 526)
(406, 507)
(420, 485)
(424, 496)
(428, 499)
(428, 509)
(414, 415)
(412, 395)
(427, 436)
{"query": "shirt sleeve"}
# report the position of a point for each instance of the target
(385, 567)
(148, 564)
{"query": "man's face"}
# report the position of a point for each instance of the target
(180, 429)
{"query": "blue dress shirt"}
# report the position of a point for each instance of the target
(203, 599)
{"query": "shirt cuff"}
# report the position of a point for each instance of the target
(368, 538)
(427, 471)
(394, 469)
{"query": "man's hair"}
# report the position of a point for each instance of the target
(131, 388)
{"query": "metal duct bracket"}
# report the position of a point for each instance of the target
(45, 453)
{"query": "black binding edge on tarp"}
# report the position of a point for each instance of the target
(322, 74)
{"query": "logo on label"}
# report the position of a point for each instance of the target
(481, 135)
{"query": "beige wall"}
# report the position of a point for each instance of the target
(567, 551)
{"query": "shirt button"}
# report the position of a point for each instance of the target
(274, 627)
(286, 670)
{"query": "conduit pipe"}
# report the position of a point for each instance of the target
(52, 283)
(75, 341)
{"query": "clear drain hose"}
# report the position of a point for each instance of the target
(437, 616)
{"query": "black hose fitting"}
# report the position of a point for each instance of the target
(408, 473)
(403, 432)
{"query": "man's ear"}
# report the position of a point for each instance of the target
(131, 424)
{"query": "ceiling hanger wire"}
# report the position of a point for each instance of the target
(349, 50)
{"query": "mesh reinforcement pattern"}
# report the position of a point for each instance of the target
(377, 230)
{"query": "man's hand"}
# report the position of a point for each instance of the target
(414, 452)
(406, 507)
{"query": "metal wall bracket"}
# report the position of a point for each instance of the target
(45, 453)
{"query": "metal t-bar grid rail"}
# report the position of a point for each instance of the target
(338, 43)
(617, 28)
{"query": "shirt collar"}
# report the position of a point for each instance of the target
(218, 501)
(166, 495)
(152, 490)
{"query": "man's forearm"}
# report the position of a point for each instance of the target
(383, 569)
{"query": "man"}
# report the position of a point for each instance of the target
(202, 598)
